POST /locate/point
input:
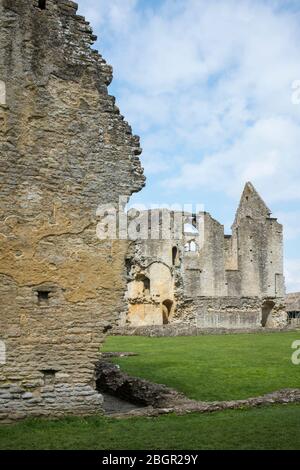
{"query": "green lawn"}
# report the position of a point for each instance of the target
(276, 427)
(203, 367)
(219, 367)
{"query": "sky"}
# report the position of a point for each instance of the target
(213, 90)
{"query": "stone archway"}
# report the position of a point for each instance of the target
(267, 308)
(166, 310)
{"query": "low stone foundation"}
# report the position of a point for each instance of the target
(181, 329)
(158, 399)
(111, 379)
(280, 397)
(50, 401)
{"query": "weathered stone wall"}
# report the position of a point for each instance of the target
(293, 308)
(259, 241)
(230, 313)
(150, 284)
(64, 149)
(219, 281)
(293, 302)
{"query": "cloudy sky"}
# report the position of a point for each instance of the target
(212, 88)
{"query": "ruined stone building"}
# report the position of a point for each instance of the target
(207, 280)
(293, 308)
(64, 149)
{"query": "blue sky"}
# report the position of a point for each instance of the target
(208, 87)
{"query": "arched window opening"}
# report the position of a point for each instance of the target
(166, 311)
(266, 312)
(174, 255)
(191, 246)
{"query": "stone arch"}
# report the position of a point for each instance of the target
(267, 308)
(167, 307)
(161, 280)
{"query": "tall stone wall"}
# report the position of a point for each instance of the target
(259, 241)
(64, 149)
(215, 280)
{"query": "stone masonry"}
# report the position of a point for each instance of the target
(293, 308)
(64, 149)
(205, 279)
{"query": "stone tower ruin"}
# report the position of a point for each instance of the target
(64, 149)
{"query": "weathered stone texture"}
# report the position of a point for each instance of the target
(293, 308)
(293, 302)
(207, 279)
(64, 149)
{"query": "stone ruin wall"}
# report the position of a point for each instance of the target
(293, 308)
(232, 281)
(64, 149)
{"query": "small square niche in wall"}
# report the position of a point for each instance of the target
(49, 376)
(43, 296)
(42, 4)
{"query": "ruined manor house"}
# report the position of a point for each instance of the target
(205, 279)
(65, 149)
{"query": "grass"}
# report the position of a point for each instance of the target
(219, 367)
(275, 427)
(204, 367)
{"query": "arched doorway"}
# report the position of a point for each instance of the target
(166, 310)
(266, 311)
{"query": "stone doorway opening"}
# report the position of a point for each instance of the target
(166, 310)
(266, 312)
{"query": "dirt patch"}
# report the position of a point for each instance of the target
(113, 405)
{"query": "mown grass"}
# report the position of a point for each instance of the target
(219, 367)
(275, 427)
(204, 368)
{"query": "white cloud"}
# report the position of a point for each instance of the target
(292, 275)
(267, 153)
(208, 86)
(290, 221)
(113, 15)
